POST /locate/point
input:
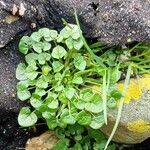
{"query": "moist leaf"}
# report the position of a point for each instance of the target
(36, 101)
(57, 66)
(40, 91)
(97, 121)
(52, 123)
(94, 108)
(69, 43)
(42, 82)
(78, 44)
(36, 36)
(46, 69)
(20, 72)
(46, 46)
(25, 44)
(31, 73)
(84, 118)
(69, 119)
(53, 104)
(79, 62)
(58, 52)
(23, 94)
(111, 103)
(69, 92)
(43, 57)
(26, 118)
(77, 80)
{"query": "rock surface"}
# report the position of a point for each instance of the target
(112, 21)
(9, 59)
(11, 135)
(134, 126)
(46, 141)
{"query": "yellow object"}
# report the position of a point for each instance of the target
(139, 126)
(135, 88)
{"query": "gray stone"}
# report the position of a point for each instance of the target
(112, 21)
(134, 126)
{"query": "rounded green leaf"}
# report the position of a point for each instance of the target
(40, 92)
(79, 104)
(84, 118)
(59, 38)
(53, 34)
(25, 44)
(20, 72)
(58, 52)
(38, 47)
(115, 75)
(46, 115)
(69, 43)
(22, 85)
(46, 46)
(111, 103)
(79, 62)
(23, 95)
(94, 108)
(53, 104)
(36, 36)
(46, 69)
(41, 82)
(75, 33)
(69, 119)
(26, 118)
(86, 94)
(69, 92)
(36, 101)
(31, 73)
(97, 121)
(78, 44)
(43, 57)
(52, 123)
(116, 94)
(31, 59)
(77, 80)
(65, 32)
(57, 66)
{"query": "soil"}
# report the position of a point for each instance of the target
(13, 137)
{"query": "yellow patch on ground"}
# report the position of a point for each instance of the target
(135, 88)
(139, 126)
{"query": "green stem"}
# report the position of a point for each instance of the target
(120, 106)
(95, 57)
(92, 81)
(104, 97)
(83, 72)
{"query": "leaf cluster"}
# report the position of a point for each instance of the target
(77, 137)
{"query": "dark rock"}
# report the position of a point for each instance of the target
(112, 21)
(9, 58)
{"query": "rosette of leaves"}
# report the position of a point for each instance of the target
(55, 80)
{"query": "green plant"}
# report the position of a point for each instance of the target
(58, 79)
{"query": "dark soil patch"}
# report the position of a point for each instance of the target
(12, 137)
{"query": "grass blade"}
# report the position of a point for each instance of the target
(120, 106)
